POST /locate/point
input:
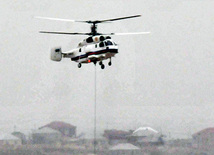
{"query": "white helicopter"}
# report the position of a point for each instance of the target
(96, 48)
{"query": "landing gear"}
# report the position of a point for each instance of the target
(102, 66)
(79, 65)
(109, 63)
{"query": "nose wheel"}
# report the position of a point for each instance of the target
(102, 66)
(79, 65)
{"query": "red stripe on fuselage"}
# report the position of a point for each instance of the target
(95, 53)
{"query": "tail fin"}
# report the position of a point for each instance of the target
(56, 54)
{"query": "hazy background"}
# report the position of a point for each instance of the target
(164, 80)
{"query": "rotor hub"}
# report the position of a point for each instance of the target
(94, 29)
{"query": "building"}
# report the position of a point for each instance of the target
(179, 143)
(64, 128)
(9, 140)
(145, 136)
(46, 136)
(204, 139)
(125, 149)
(20, 136)
(116, 136)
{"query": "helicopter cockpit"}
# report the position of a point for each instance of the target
(94, 40)
(106, 43)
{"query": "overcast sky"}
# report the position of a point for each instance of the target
(164, 80)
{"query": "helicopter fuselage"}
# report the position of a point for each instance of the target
(95, 52)
(93, 49)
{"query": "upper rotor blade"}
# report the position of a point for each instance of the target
(100, 21)
(66, 33)
(87, 21)
(59, 19)
(131, 33)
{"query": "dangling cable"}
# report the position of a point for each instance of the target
(95, 108)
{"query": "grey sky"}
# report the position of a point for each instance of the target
(163, 80)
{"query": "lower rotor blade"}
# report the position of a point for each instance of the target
(131, 33)
(66, 33)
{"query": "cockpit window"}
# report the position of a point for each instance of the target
(89, 40)
(108, 43)
(101, 44)
(108, 37)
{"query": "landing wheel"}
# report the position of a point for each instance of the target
(79, 65)
(100, 63)
(109, 63)
(102, 66)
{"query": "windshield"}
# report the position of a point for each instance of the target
(107, 43)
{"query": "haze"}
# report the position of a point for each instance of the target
(163, 80)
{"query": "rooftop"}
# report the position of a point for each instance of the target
(204, 131)
(8, 137)
(145, 131)
(45, 130)
(58, 125)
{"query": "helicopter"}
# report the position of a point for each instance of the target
(95, 48)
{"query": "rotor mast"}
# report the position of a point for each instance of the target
(94, 29)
